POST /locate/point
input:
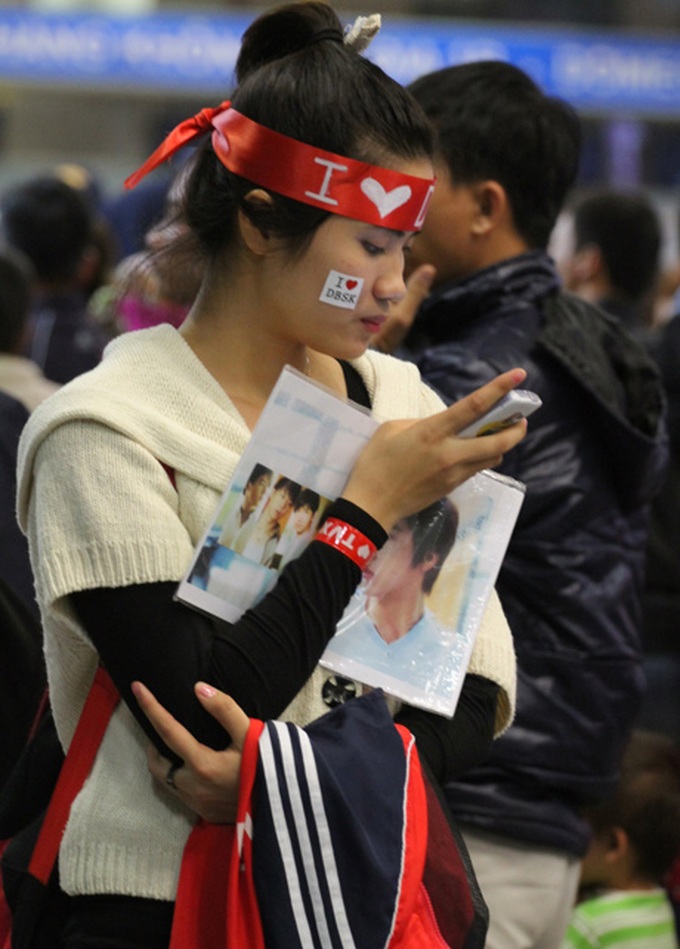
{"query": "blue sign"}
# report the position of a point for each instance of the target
(595, 70)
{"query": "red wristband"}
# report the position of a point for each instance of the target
(348, 540)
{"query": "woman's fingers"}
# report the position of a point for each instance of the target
(409, 464)
(226, 711)
(470, 408)
(208, 780)
(173, 734)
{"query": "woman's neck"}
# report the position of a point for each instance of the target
(244, 355)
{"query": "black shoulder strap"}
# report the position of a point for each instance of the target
(356, 390)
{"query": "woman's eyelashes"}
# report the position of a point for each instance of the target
(373, 250)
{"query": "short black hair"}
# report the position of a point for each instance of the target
(434, 531)
(646, 803)
(258, 472)
(494, 123)
(308, 498)
(627, 230)
(292, 488)
(51, 223)
(15, 298)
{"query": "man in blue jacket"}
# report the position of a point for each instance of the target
(592, 460)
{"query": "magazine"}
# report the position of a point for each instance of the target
(410, 627)
(297, 461)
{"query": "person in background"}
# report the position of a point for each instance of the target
(22, 388)
(611, 257)
(593, 458)
(635, 840)
(112, 534)
(20, 377)
(53, 226)
(660, 709)
(15, 566)
(158, 283)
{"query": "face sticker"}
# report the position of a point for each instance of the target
(341, 290)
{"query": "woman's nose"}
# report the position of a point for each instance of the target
(390, 286)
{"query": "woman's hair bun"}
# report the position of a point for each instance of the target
(284, 30)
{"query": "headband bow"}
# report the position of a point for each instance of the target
(180, 136)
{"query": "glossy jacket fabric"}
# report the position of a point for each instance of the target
(571, 582)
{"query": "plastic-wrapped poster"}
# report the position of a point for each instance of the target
(411, 625)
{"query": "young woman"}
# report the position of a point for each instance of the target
(304, 200)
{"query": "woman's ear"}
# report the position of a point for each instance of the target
(257, 240)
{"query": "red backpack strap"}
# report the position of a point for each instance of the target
(94, 718)
(216, 903)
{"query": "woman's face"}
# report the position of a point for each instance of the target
(345, 257)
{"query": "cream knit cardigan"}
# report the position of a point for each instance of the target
(99, 510)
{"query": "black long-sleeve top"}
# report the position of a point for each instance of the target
(262, 660)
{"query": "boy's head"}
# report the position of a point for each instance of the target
(616, 242)
(508, 154)
(636, 831)
(52, 224)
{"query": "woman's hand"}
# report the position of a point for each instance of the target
(208, 780)
(407, 465)
(403, 313)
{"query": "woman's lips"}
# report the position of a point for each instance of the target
(373, 323)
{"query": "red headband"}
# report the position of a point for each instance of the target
(303, 172)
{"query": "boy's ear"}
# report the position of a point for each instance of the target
(258, 241)
(587, 263)
(493, 206)
(618, 844)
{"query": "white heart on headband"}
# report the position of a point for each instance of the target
(385, 201)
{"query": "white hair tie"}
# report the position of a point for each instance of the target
(362, 31)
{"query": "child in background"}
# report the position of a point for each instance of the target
(636, 839)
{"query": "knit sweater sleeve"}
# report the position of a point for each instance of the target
(114, 522)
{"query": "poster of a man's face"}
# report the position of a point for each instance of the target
(256, 488)
(389, 635)
(401, 574)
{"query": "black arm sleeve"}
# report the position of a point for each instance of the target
(262, 660)
(453, 745)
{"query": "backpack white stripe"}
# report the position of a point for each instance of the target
(284, 842)
(304, 817)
